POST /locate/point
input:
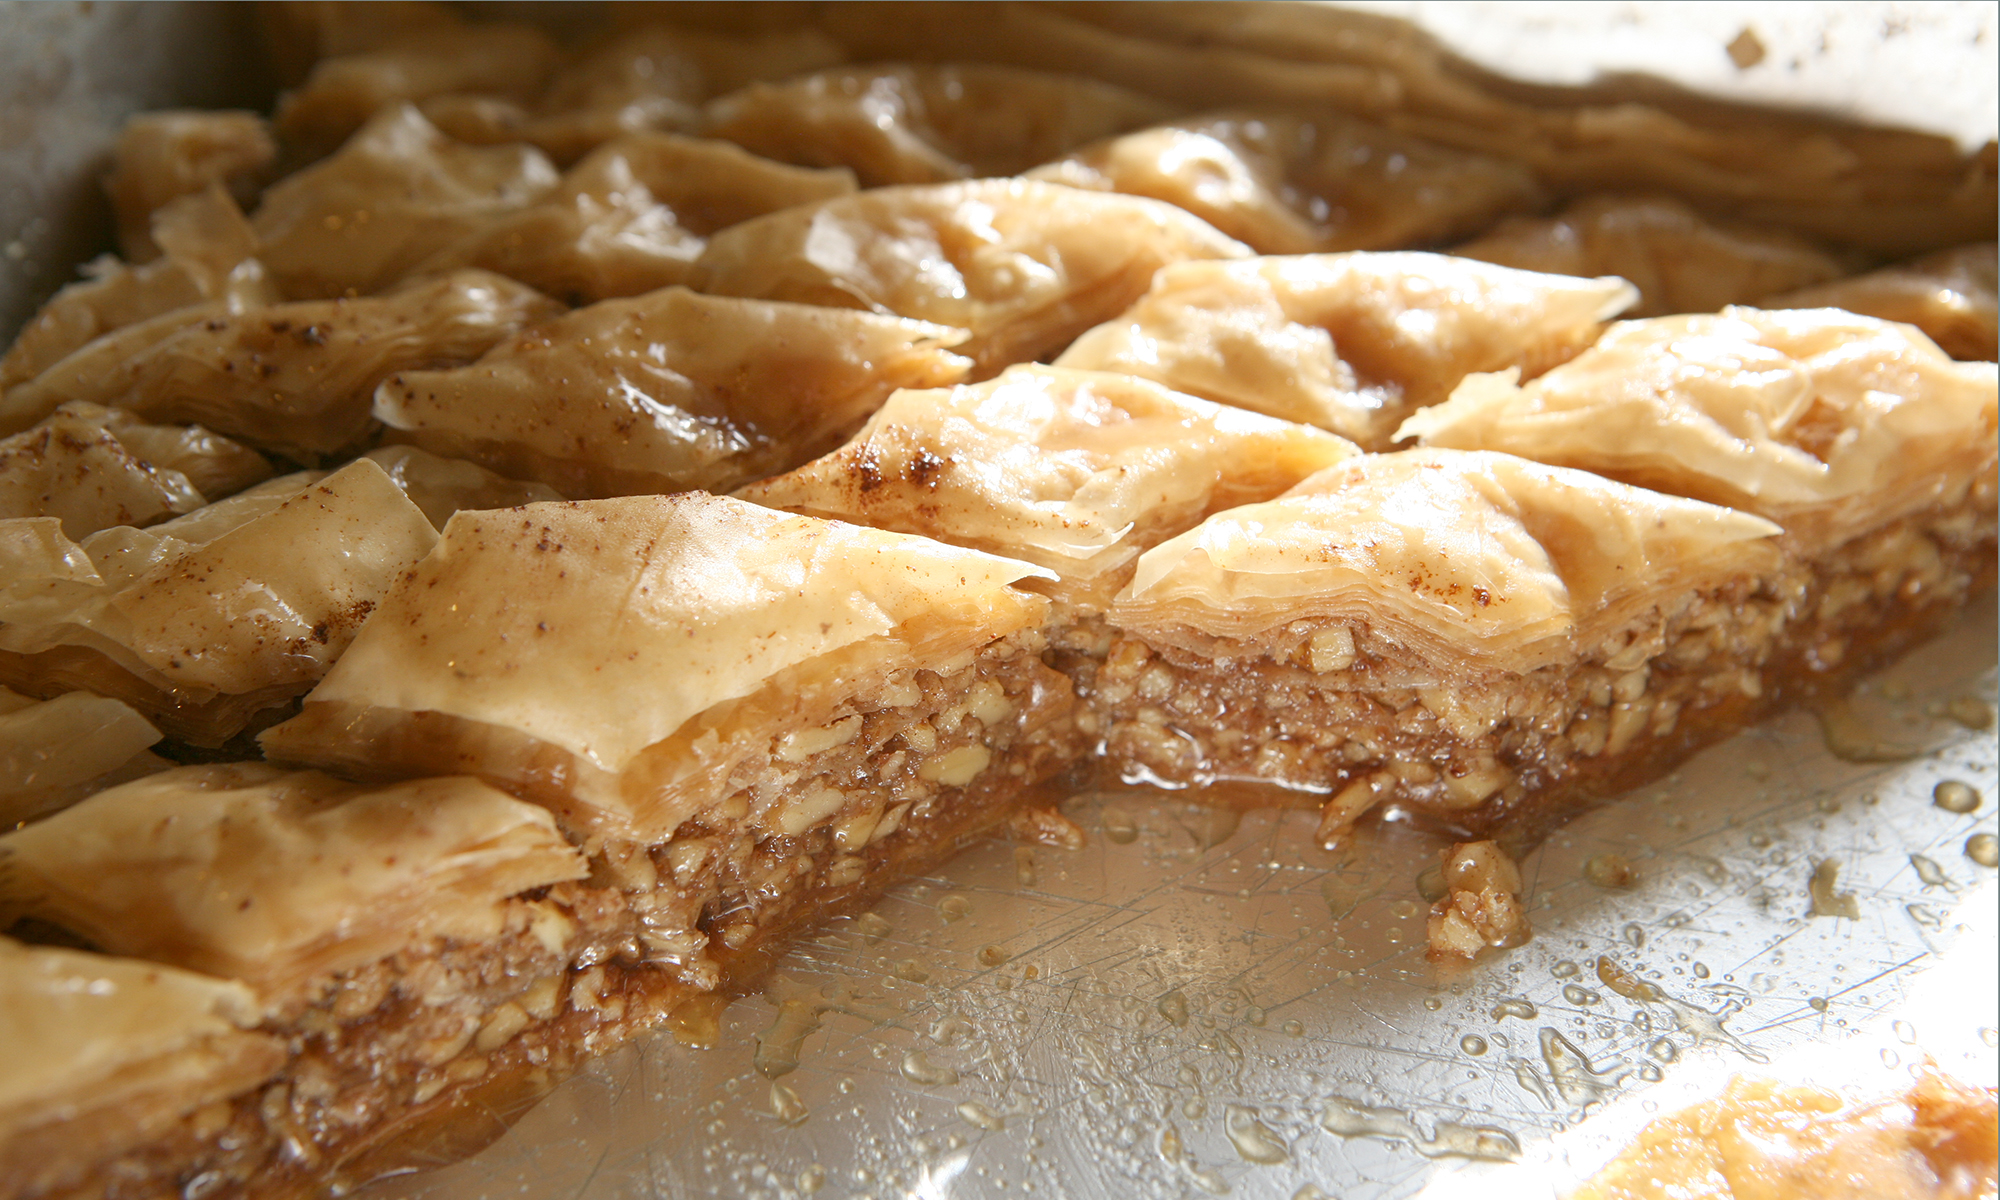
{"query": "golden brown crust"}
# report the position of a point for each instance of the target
(1560, 738)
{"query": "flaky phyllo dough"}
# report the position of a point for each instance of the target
(162, 156)
(381, 935)
(634, 215)
(1074, 471)
(927, 123)
(636, 628)
(93, 467)
(394, 195)
(668, 391)
(1348, 342)
(55, 752)
(204, 621)
(1949, 295)
(1432, 626)
(295, 378)
(1679, 261)
(1831, 424)
(106, 1055)
(1289, 183)
(339, 875)
(206, 266)
(1025, 266)
(735, 708)
(650, 78)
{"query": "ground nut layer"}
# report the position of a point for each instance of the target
(441, 1045)
(817, 818)
(1512, 756)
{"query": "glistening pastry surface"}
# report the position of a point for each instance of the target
(668, 391)
(1348, 342)
(1074, 471)
(1829, 423)
(1454, 630)
(207, 620)
(106, 1054)
(1024, 265)
(627, 619)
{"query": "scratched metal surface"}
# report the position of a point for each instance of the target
(1192, 1004)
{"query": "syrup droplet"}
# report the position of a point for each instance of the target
(1817, 1003)
(1294, 1028)
(1570, 1068)
(953, 908)
(1983, 849)
(1624, 982)
(778, 1045)
(1024, 867)
(1931, 873)
(921, 1070)
(812, 1179)
(912, 970)
(1531, 1082)
(1210, 826)
(1580, 995)
(698, 1022)
(872, 926)
(1955, 796)
(1349, 1118)
(1488, 1142)
(950, 1029)
(992, 956)
(1514, 1008)
(1851, 737)
(1610, 871)
(1174, 1007)
(1119, 828)
(1254, 1141)
(1565, 970)
(1472, 1044)
(1826, 902)
(979, 1116)
(786, 1105)
(1970, 711)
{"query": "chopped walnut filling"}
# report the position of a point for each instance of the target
(581, 967)
(808, 824)
(1481, 905)
(1479, 752)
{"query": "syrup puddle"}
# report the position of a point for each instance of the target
(1351, 1119)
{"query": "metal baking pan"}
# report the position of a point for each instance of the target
(1199, 1002)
